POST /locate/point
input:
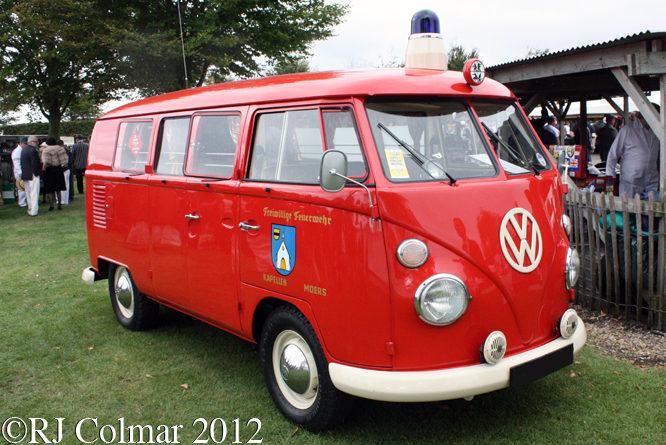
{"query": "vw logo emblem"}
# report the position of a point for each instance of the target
(520, 239)
(284, 371)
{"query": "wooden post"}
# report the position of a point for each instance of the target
(661, 250)
(627, 255)
(639, 258)
(592, 237)
(582, 127)
(608, 253)
(616, 259)
(651, 282)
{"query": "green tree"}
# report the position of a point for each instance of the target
(221, 38)
(457, 56)
(52, 53)
(82, 107)
(289, 67)
(536, 52)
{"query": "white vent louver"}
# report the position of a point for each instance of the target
(99, 205)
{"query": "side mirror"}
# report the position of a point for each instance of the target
(333, 172)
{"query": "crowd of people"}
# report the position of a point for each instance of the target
(46, 170)
(634, 147)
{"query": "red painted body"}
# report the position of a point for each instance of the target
(346, 279)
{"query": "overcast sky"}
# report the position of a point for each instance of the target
(375, 31)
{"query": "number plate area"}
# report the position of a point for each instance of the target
(540, 367)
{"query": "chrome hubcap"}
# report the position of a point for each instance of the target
(124, 292)
(295, 369)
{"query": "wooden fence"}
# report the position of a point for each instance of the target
(621, 243)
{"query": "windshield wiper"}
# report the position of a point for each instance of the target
(516, 154)
(421, 160)
(513, 151)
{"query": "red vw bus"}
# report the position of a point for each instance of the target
(392, 234)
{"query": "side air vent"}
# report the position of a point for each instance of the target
(99, 205)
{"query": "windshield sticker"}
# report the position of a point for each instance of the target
(135, 143)
(396, 164)
(283, 246)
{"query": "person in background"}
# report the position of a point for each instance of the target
(53, 158)
(16, 160)
(591, 137)
(72, 173)
(551, 126)
(67, 171)
(638, 148)
(80, 153)
(591, 134)
(41, 148)
(6, 174)
(31, 170)
(6, 170)
(619, 122)
(605, 137)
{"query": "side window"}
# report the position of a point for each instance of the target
(341, 135)
(287, 147)
(173, 141)
(213, 145)
(132, 146)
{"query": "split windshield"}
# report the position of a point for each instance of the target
(511, 138)
(439, 140)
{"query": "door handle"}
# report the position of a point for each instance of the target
(192, 217)
(245, 226)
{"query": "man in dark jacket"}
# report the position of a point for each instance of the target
(31, 170)
(605, 137)
(80, 153)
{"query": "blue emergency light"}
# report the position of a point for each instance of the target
(425, 21)
(425, 47)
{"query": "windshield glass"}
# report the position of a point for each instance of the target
(514, 143)
(428, 140)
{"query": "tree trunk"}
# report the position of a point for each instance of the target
(204, 71)
(54, 117)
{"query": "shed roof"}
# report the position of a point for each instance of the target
(586, 71)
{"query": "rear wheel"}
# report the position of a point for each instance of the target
(296, 372)
(133, 309)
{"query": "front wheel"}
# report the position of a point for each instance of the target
(296, 372)
(133, 309)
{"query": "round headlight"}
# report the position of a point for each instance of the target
(441, 299)
(412, 253)
(566, 223)
(572, 268)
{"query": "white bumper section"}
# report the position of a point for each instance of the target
(88, 276)
(446, 384)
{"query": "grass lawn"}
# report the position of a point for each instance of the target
(63, 355)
